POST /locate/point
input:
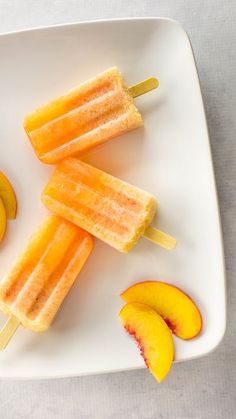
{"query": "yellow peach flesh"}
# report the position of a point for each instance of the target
(153, 336)
(176, 308)
(8, 196)
(3, 220)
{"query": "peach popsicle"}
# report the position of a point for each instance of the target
(35, 287)
(107, 207)
(92, 113)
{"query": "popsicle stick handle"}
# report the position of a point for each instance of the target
(8, 331)
(160, 238)
(144, 87)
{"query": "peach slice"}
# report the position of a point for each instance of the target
(153, 336)
(3, 219)
(176, 308)
(8, 196)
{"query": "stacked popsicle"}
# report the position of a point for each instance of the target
(85, 200)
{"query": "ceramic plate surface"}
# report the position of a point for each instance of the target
(170, 158)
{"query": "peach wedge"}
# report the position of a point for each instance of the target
(176, 308)
(152, 335)
(3, 219)
(8, 196)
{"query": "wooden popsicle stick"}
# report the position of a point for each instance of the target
(144, 87)
(160, 238)
(8, 331)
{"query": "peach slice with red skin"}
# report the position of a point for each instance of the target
(152, 335)
(8, 196)
(3, 219)
(177, 309)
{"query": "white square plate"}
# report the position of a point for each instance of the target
(170, 158)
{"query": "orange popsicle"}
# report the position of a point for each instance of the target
(92, 113)
(37, 284)
(107, 207)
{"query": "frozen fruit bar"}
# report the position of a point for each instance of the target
(92, 113)
(37, 284)
(107, 207)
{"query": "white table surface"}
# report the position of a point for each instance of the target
(203, 388)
